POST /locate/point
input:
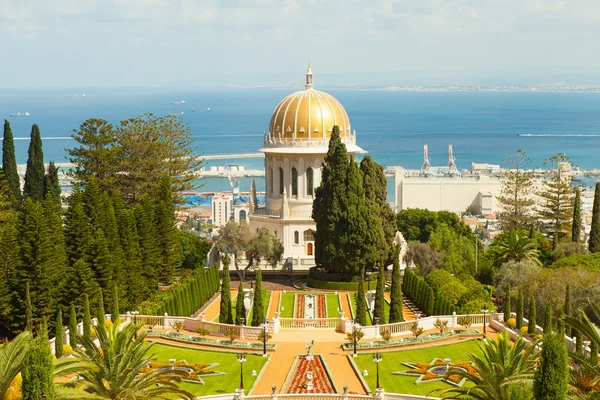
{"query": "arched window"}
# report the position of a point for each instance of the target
(271, 180)
(309, 181)
(275, 232)
(309, 235)
(309, 249)
(296, 237)
(294, 182)
(280, 180)
(242, 215)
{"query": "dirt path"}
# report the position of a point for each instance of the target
(406, 312)
(275, 295)
(214, 309)
(345, 304)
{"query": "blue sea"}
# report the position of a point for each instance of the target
(391, 126)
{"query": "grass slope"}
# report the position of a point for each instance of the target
(333, 304)
(406, 384)
(228, 363)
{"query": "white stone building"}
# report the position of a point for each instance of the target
(295, 146)
(221, 209)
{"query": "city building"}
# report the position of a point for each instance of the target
(222, 206)
(294, 147)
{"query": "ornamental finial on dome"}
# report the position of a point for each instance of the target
(309, 81)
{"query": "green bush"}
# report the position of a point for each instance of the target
(316, 284)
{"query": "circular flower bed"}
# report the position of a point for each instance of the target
(438, 370)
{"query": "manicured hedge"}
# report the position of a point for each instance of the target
(186, 296)
(317, 274)
(316, 284)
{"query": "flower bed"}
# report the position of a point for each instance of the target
(194, 372)
(321, 308)
(181, 337)
(437, 370)
(297, 382)
(408, 341)
(299, 309)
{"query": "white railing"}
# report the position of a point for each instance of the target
(380, 394)
(310, 323)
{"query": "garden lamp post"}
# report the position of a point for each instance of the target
(484, 311)
(265, 333)
(135, 313)
(377, 358)
(242, 321)
(241, 359)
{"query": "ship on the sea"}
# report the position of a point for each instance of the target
(20, 114)
(175, 114)
(203, 110)
(178, 102)
(78, 96)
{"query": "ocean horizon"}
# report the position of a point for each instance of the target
(483, 127)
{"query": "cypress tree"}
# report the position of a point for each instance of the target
(520, 308)
(576, 226)
(169, 259)
(240, 307)
(72, 326)
(144, 216)
(594, 241)
(87, 317)
(34, 174)
(58, 341)
(555, 240)
(136, 288)
(328, 209)
(258, 307)
(531, 317)
(100, 312)
(579, 341)
(532, 231)
(9, 165)
(567, 309)
(548, 318)
(379, 307)
(507, 310)
(28, 308)
(361, 303)
(430, 301)
(52, 189)
(552, 377)
(115, 305)
(396, 293)
(225, 316)
(37, 368)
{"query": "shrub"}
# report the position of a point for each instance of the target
(524, 330)
(357, 332)
(67, 349)
(316, 284)
(442, 325)
(416, 329)
(231, 334)
(261, 336)
(386, 334)
(202, 331)
(465, 322)
(511, 323)
(177, 325)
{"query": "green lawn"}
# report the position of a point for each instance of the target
(333, 304)
(233, 303)
(228, 364)
(266, 296)
(353, 306)
(406, 384)
(287, 302)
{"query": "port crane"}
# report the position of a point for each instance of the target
(233, 181)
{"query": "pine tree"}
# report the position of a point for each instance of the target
(240, 307)
(361, 303)
(100, 312)
(78, 280)
(136, 288)
(531, 327)
(37, 368)
(9, 165)
(10, 265)
(28, 309)
(507, 310)
(567, 309)
(87, 317)
(516, 193)
(169, 259)
(594, 241)
(258, 308)
(34, 174)
(101, 262)
(520, 307)
(548, 318)
(52, 185)
(72, 326)
(328, 211)
(144, 217)
(579, 341)
(396, 293)
(552, 377)
(430, 301)
(115, 305)
(78, 235)
(557, 196)
(379, 308)
(576, 225)
(58, 341)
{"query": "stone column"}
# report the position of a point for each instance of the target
(380, 393)
(239, 393)
(166, 321)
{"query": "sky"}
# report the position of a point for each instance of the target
(253, 42)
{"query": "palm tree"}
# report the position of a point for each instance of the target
(499, 374)
(518, 247)
(11, 357)
(118, 368)
(589, 367)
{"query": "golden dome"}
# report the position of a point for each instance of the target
(308, 114)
